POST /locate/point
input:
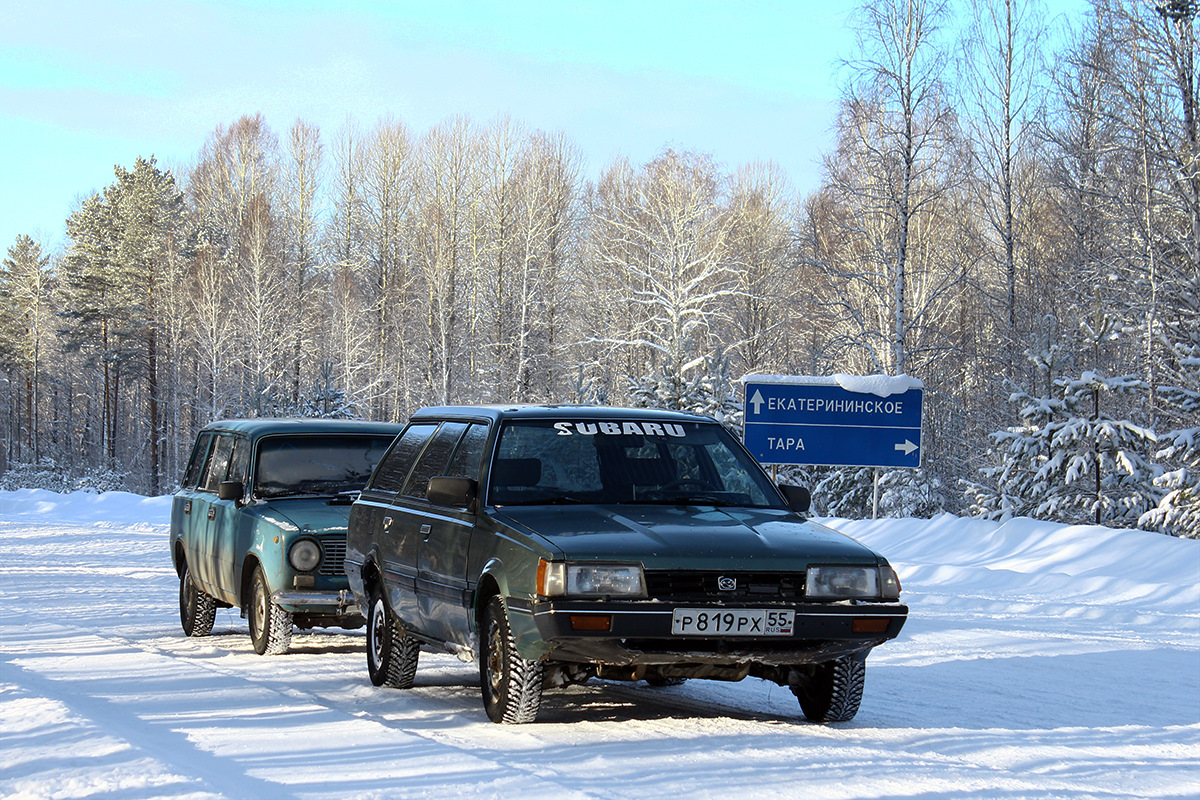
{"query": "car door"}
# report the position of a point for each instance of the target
(434, 530)
(188, 518)
(201, 553)
(389, 523)
(444, 591)
(229, 537)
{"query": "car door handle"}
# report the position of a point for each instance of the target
(387, 523)
(187, 507)
(425, 531)
(212, 513)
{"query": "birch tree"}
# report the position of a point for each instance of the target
(1001, 80)
(301, 181)
(663, 241)
(897, 158)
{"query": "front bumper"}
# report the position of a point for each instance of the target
(340, 602)
(639, 632)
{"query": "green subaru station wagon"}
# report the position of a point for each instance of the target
(259, 523)
(555, 544)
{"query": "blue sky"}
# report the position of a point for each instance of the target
(86, 85)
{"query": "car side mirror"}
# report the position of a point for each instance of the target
(447, 491)
(231, 490)
(798, 498)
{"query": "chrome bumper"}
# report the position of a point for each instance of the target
(342, 600)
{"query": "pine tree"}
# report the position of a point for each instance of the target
(25, 285)
(1178, 512)
(1069, 461)
(120, 240)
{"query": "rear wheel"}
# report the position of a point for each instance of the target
(834, 691)
(512, 685)
(270, 625)
(391, 653)
(197, 611)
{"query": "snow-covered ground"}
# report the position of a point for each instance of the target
(1039, 660)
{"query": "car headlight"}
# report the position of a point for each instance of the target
(842, 582)
(304, 555)
(563, 579)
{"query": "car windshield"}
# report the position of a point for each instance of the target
(545, 462)
(316, 464)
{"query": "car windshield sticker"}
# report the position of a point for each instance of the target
(619, 429)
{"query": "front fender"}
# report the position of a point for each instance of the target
(495, 580)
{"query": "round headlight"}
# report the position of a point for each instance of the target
(305, 555)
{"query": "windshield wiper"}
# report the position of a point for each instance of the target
(559, 500)
(690, 500)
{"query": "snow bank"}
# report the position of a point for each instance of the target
(107, 508)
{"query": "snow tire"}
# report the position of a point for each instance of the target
(270, 625)
(391, 653)
(512, 685)
(834, 693)
(197, 610)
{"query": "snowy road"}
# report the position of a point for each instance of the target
(1039, 661)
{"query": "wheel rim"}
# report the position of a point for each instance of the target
(187, 598)
(495, 659)
(377, 623)
(258, 619)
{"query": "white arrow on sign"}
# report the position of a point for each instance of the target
(757, 402)
(908, 447)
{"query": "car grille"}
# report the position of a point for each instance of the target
(681, 585)
(333, 555)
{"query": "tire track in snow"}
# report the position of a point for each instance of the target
(229, 773)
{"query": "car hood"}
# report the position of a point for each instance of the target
(310, 514)
(687, 537)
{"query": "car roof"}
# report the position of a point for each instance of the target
(269, 426)
(564, 411)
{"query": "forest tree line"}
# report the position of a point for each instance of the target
(1018, 228)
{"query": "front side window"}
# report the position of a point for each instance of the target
(469, 455)
(318, 464)
(624, 461)
(199, 453)
(433, 460)
(218, 463)
(239, 461)
(398, 462)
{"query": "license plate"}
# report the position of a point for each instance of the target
(732, 622)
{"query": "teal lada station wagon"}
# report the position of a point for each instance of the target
(555, 544)
(259, 523)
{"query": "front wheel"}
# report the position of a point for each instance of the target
(512, 685)
(197, 610)
(270, 625)
(391, 653)
(834, 691)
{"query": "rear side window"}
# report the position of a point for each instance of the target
(394, 468)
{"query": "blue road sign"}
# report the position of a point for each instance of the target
(825, 424)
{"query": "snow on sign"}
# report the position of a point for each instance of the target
(838, 421)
